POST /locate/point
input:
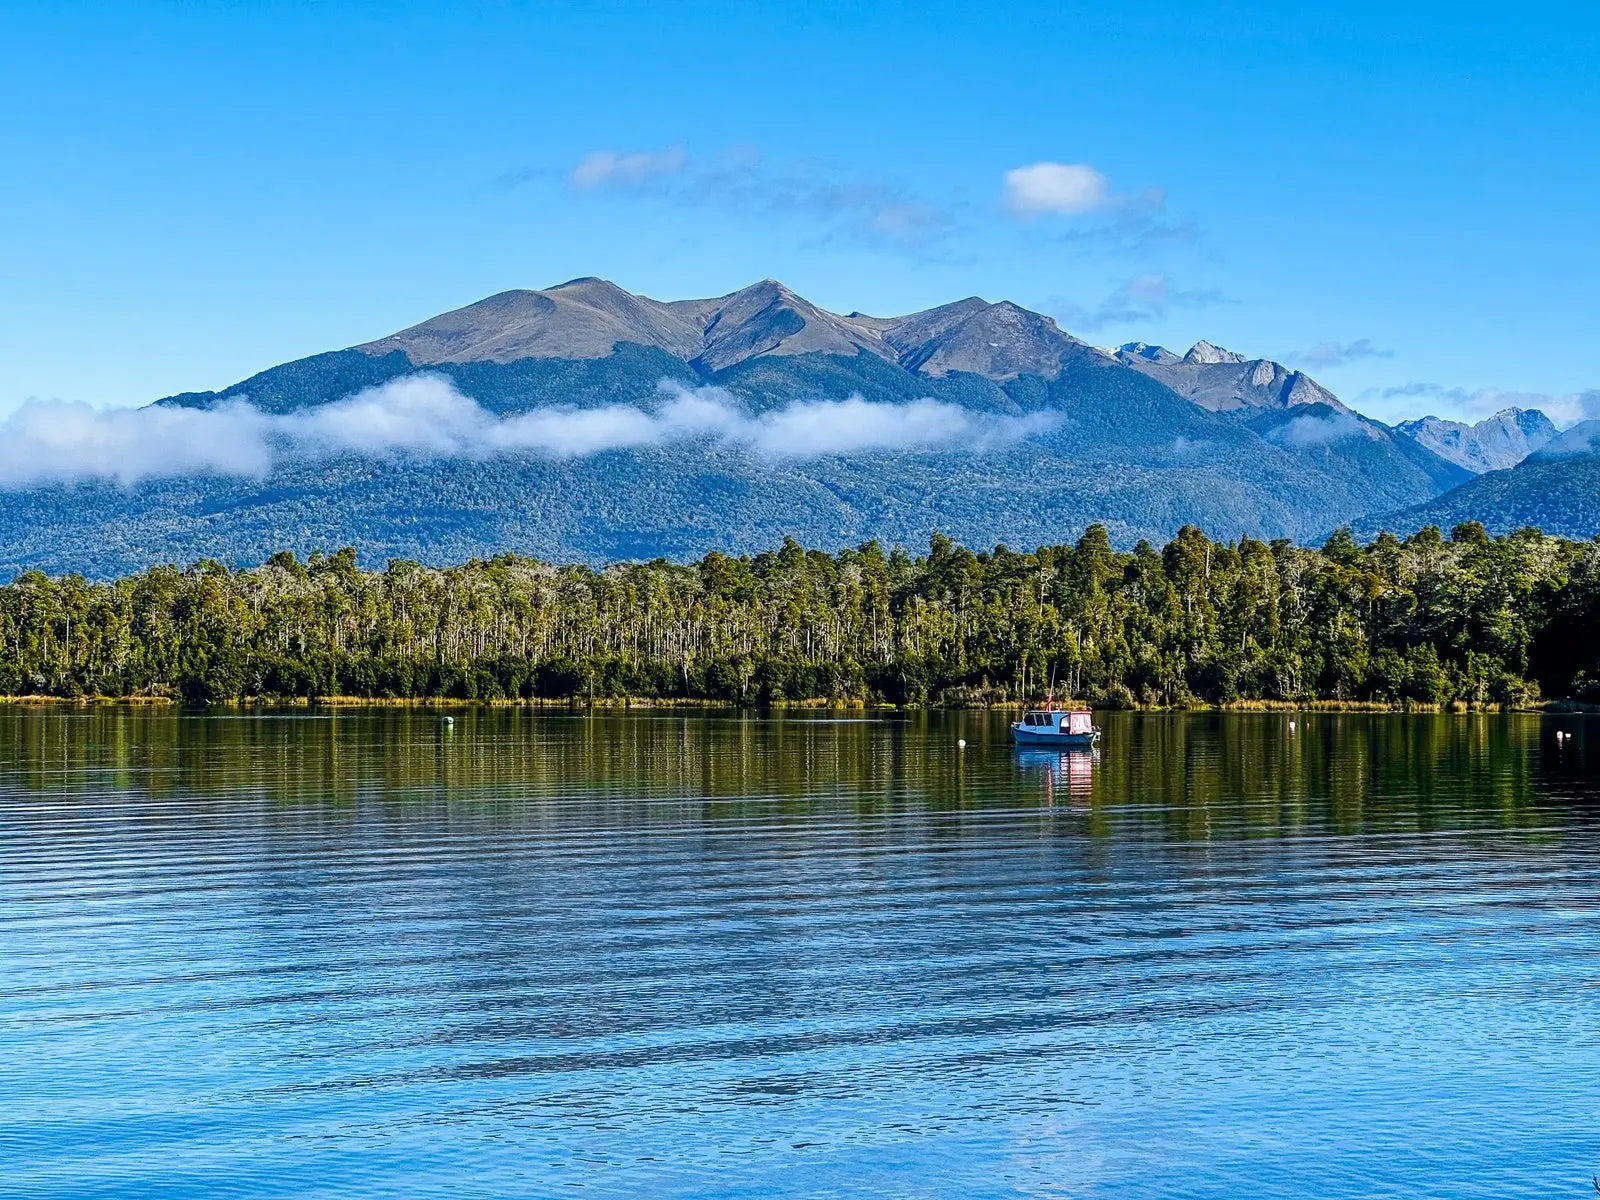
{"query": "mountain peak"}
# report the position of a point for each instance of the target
(1492, 444)
(1223, 381)
(1147, 352)
(1205, 353)
(769, 318)
(997, 341)
(766, 287)
(582, 318)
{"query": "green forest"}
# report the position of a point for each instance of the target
(1433, 620)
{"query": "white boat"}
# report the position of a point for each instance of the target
(1056, 727)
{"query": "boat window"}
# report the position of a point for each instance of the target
(1081, 723)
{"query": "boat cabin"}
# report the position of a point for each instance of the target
(1079, 720)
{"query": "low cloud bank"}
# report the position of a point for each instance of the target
(425, 417)
(1304, 432)
(52, 442)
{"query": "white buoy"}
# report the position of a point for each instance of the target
(1291, 726)
(961, 743)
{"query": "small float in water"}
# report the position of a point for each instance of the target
(1053, 726)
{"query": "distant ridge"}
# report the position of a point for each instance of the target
(1492, 444)
(1582, 438)
(588, 318)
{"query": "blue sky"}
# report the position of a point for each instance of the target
(1399, 197)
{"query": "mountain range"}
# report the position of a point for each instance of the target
(1493, 444)
(982, 420)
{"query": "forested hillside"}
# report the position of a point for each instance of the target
(1472, 618)
(1561, 495)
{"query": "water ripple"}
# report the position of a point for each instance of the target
(710, 956)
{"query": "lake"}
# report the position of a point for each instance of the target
(650, 954)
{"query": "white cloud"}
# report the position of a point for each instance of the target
(849, 426)
(1304, 432)
(814, 428)
(1050, 187)
(740, 181)
(1336, 354)
(905, 220)
(603, 167)
(47, 441)
(1142, 299)
(420, 414)
(834, 427)
(424, 416)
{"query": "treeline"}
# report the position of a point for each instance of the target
(1429, 620)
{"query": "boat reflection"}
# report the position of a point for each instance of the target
(1065, 775)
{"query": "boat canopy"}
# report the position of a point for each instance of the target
(1074, 720)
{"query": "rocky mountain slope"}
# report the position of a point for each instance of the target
(1582, 438)
(1493, 444)
(1224, 381)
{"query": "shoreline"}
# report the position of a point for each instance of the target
(700, 704)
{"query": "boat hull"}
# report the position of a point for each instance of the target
(1023, 735)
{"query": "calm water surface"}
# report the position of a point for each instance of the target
(658, 955)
